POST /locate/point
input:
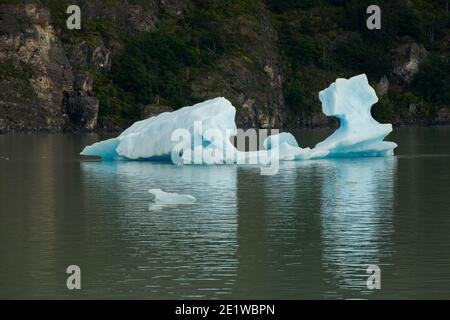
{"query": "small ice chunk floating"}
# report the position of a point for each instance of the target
(166, 198)
(210, 125)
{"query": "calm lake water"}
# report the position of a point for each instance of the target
(308, 232)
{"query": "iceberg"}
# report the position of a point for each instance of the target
(284, 137)
(201, 134)
(359, 134)
(166, 198)
(151, 139)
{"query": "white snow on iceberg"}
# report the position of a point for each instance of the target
(210, 125)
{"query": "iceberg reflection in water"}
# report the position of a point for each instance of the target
(248, 234)
(317, 226)
(177, 251)
(355, 223)
(308, 232)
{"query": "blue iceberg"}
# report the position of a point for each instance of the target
(201, 134)
(359, 134)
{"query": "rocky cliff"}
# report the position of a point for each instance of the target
(268, 57)
(47, 78)
(36, 72)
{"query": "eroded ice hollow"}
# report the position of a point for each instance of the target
(208, 126)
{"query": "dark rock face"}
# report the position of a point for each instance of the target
(253, 80)
(31, 96)
(406, 61)
(122, 15)
(443, 116)
(383, 86)
(82, 110)
(57, 93)
(87, 55)
(154, 109)
(80, 105)
(46, 72)
(46, 87)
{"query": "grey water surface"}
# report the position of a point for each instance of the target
(308, 232)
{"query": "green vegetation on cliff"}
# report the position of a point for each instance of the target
(9, 70)
(321, 40)
(156, 67)
(318, 41)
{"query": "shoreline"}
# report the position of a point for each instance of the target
(107, 131)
